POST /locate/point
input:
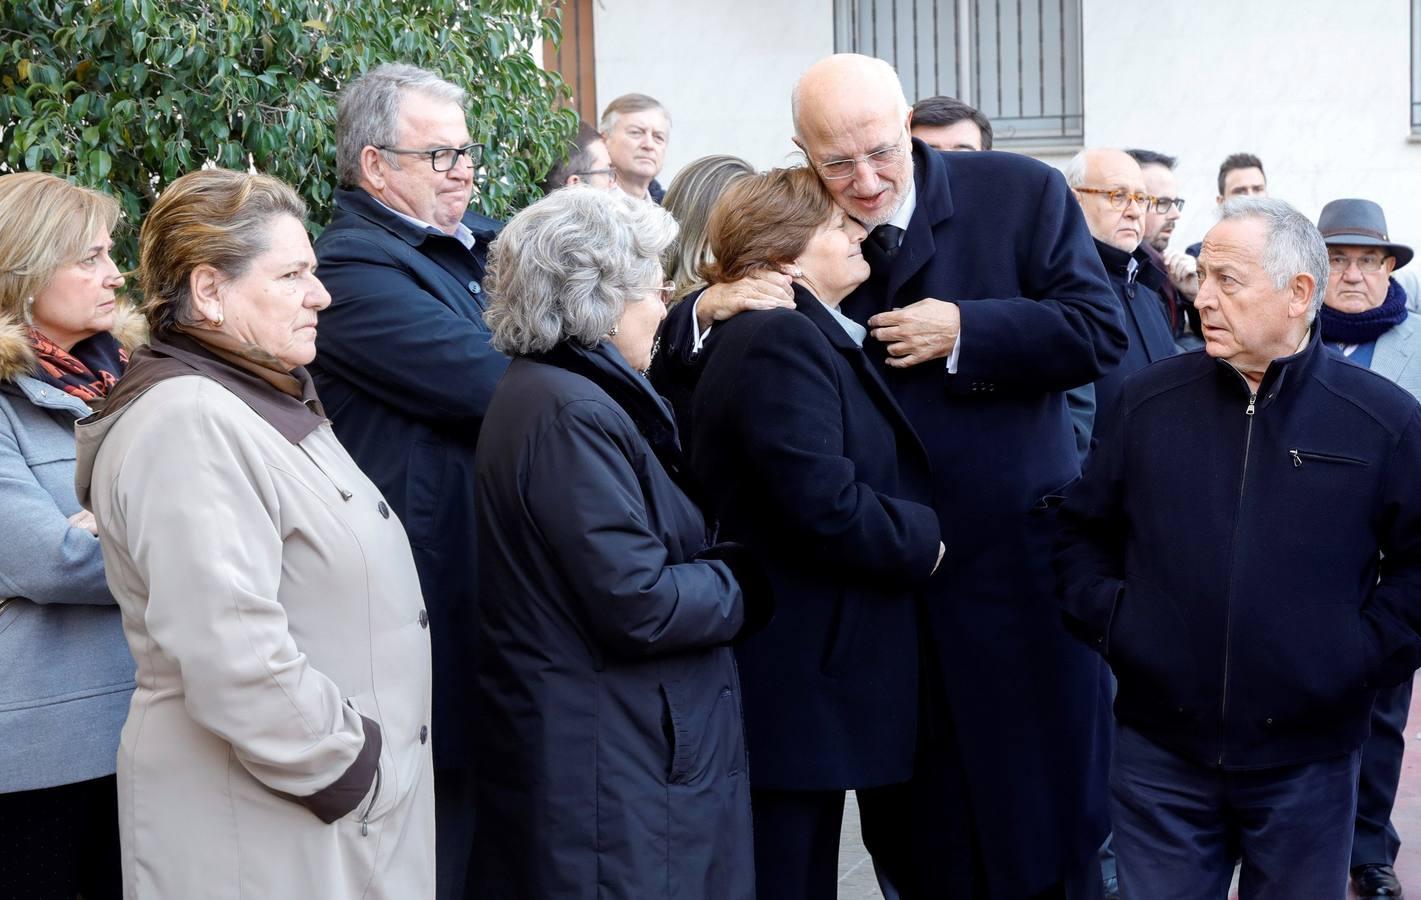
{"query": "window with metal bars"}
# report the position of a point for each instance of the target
(1018, 61)
(1416, 66)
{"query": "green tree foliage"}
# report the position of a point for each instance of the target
(126, 95)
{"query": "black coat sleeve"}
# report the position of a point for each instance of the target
(393, 339)
(584, 496)
(1067, 331)
(1090, 547)
(1392, 614)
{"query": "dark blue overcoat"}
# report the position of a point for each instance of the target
(611, 758)
(405, 370)
(814, 467)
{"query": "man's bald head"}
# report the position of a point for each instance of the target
(843, 84)
(850, 113)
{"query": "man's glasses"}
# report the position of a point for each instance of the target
(1368, 263)
(442, 159)
(609, 172)
(1162, 204)
(1118, 198)
(878, 160)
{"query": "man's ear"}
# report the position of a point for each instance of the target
(1300, 300)
(571, 180)
(372, 167)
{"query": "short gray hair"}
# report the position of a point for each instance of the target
(627, 104)
(1294, 245)
(1075, 170)
(564, 268)
(369, 113)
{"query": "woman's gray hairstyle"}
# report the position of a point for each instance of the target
(369, 113)
(690, 198)
(1293, 245)
(564, 268)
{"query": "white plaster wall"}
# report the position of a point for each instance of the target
(1318, 89)
(724, 68)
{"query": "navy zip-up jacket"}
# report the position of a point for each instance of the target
(1250, 563)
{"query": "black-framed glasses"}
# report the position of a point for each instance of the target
(1162, 204)
(1118, 198)
(442, 159)
(609, 172)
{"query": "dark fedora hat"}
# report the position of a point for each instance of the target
(1359, 223)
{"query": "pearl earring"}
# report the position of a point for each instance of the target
(798, 272)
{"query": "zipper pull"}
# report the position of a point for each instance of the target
(1251, 399)
(1297, 460)
(365, 824)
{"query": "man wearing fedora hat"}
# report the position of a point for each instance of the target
(1364, 317)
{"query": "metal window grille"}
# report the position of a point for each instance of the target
(1416, 66)
(1018, 61)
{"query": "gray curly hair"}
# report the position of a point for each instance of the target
(564, 268)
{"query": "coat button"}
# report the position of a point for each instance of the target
(1267, 721)
(475, 288)
(423, 619)
(384, 510)
(423, 734)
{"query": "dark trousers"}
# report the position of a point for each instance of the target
(922, 840)
(61, 841)
(1374, 838)
(1179, 826)
(797, 843)
(454, 834)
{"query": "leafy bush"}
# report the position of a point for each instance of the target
(126, 95)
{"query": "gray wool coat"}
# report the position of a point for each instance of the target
(65, 671)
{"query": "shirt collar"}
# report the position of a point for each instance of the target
(853, 329)
(462, 234)
(904, 215)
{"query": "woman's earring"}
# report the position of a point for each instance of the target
(613, 332)
(797, 273)
(29, 310)
(221, 317)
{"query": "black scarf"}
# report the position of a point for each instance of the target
(1364, 327)
(604, 367)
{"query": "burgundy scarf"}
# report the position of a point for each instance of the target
(88, 371)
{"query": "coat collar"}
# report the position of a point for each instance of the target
(1117, 264)
(358, 202)
(1283, 371)
(934, 205)
(815, 311)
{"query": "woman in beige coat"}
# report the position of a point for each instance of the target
(277, 742)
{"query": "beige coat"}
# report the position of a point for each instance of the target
(272, 607)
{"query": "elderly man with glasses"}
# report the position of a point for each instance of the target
(405, 366)
(1111, 189)
(1364, 317)
(985, 302)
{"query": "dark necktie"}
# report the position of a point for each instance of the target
(886, 237)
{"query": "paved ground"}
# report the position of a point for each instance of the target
(856, 880)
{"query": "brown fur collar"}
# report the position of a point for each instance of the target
(17, 357)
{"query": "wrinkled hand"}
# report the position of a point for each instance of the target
(84, 520)
(762, 290)
(941, 549)
(1183, 272)
(917, 333)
